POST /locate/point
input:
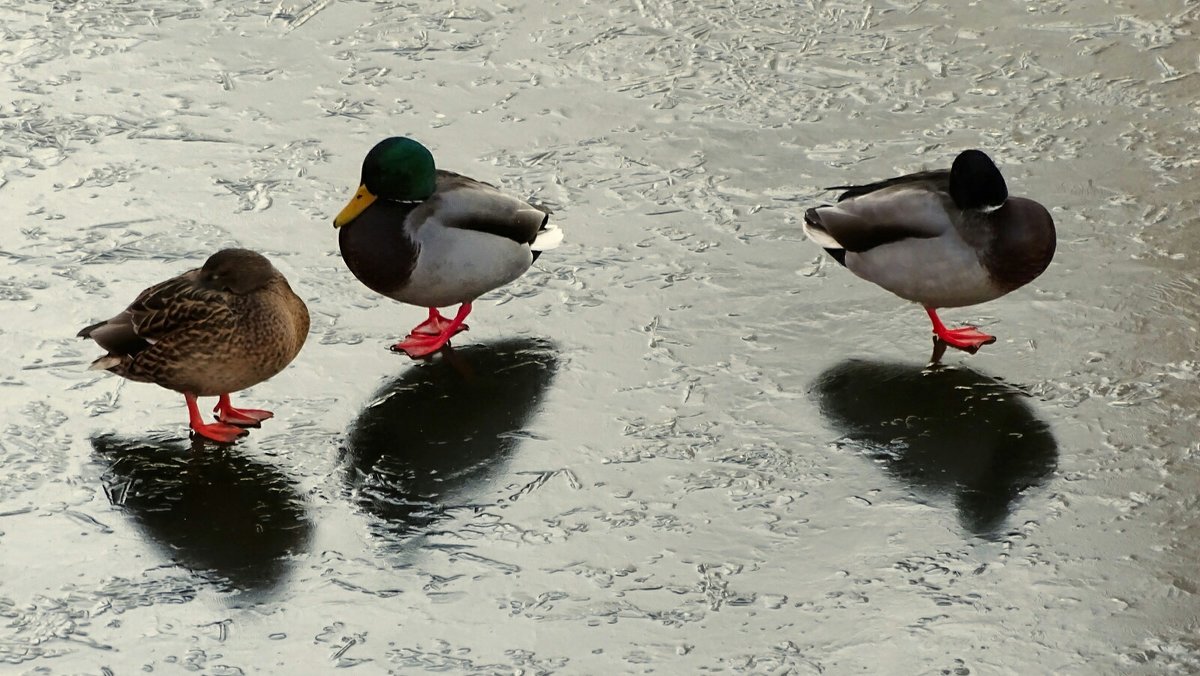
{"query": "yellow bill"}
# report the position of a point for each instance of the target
(361, 200)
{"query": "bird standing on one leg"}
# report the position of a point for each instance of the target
(944, 238)
(434, 238)
(220, 328)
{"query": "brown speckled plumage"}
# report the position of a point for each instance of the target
(220, 328)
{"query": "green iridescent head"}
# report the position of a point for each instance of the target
(397, 168)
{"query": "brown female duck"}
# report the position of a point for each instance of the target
(220, 328)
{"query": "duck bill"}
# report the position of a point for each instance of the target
(361, 200)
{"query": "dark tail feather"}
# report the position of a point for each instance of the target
(87, 331)
(817, 233)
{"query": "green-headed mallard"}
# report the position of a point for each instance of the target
(944, 238)
(435, 238)
(213, 330)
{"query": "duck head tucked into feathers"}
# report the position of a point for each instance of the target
(976, 183)
(397, 168)
(238, 271)
(941, 238)
(220, 328)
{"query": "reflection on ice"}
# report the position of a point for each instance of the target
(435, 431)
(209, 507)
(950, 431)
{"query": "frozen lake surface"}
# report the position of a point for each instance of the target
(684, 442)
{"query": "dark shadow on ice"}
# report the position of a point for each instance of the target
(949, 431)
(210, 507)
(431, 437)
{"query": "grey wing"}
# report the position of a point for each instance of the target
(463, 202)
(881, 217)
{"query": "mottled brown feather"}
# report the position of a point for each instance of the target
(195, 334)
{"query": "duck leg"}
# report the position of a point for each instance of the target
(218, 431)
(966, 338)
(434, 325)
(246, 417)
(939, 349)
(417, 345)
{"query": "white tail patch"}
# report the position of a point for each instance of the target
(548, 238)
(104, 363)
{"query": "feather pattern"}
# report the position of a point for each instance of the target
(204, 333)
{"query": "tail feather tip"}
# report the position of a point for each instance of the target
(104, 363)
(548, 238)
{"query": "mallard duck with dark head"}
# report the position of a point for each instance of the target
(945, 238)
(220, 328)
(434, 238)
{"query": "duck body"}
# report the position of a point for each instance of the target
(945, 238)
(465, 240)
(217, 329)
(435, 238)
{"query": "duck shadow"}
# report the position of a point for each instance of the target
(431, 437)
(209, 507)
(951, 432)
